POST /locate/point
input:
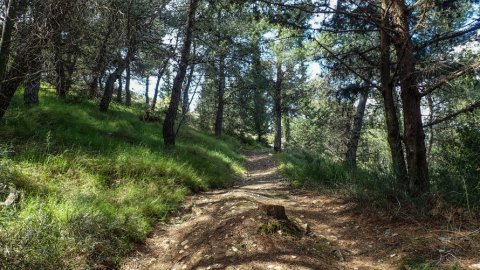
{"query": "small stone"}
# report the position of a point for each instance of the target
(294, 257)
(235, 249)
(306, 228)
(339, 255)
(181, 251)
(444, 239)
(184, 243)
(475, 266)
(393, 255)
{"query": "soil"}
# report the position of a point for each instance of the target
(228, 229)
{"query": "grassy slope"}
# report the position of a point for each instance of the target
(93, 184)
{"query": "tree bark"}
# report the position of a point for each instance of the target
(220, 97)
(101, 59)
(186, 91)
(414, 136)
(32, 85)
(169, 123)
(119, 89)
(391, 118)
(109, 87)
(352, 146)
(277, 145)
(13, 80)
(6, 91)
(147, 86)
(5, 42)
(128, 94)
(161, 71)
(60, 80)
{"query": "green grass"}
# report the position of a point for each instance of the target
(92, 185)
(365, 185)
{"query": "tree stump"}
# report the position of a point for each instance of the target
(274, 211)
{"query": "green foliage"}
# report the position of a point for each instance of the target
(456, 165)
(366, 185)
(91, 185)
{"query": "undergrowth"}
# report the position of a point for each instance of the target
(305, 170)
(91, 185)
(373, 185)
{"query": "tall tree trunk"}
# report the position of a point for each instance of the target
(430, 128)
(60, 81)
(32, 85)
(169, 123)
(5, 42)
(220, 97)
(99, 68)
(6, 92)
(277, 145)
(161, 71)
(414, 136)
(352, 146)
(391, 117)
(147, 86)
(288, 129)
(186, 91)
(128, 94)
(119, 89)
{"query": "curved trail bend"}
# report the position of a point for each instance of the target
(219, 230)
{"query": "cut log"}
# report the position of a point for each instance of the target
(274, 211)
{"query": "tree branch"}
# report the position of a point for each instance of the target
(366, 80)
(468, 109)
(472, 28)
(446, 79)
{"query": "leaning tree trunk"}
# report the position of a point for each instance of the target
(110, 84)
(220, 98)
(277, 145)
(169, 123)
(161, 71)
(352, 146)
(391, 118)
(414, 136)
(12, 82)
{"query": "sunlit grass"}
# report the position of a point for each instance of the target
(92, 185)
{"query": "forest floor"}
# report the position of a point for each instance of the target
(220, 230)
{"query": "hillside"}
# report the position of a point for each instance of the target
(91, 185)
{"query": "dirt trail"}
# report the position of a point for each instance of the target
(220, 230)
